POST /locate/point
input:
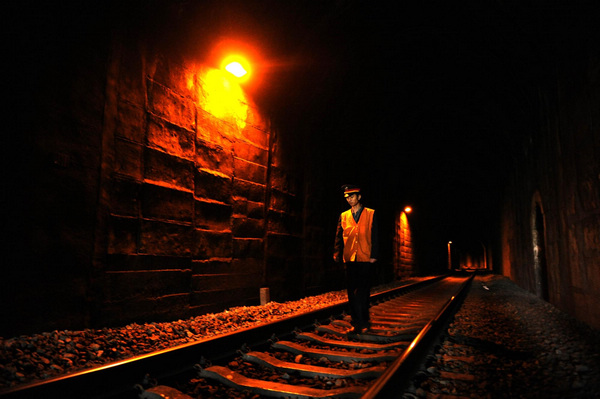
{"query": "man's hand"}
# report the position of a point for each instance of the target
(372, 260)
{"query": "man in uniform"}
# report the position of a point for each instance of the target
(357, 245)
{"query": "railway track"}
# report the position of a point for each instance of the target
(307, 356)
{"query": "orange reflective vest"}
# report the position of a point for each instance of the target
(357, 236)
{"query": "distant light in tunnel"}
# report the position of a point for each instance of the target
(408, 209)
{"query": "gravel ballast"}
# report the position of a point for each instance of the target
(30, 358)
(504, 342)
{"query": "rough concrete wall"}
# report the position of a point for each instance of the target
(558, 171)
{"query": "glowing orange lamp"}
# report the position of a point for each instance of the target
(237, 66)
(236, 69)
(408, 209)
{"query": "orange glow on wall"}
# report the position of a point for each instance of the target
(223, 97)
(403, 247)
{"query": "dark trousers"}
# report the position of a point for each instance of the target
(358, 280)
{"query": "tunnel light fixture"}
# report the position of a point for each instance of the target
(408, 209)
(237, 66)
(236, 69)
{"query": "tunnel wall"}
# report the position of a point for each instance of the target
(551, 218)
(403, 252)
(194, 201)
(136, 201)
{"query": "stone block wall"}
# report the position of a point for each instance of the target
(52, 156)
(138, 198)
(403, 256)
(551, 218)
(201, 211)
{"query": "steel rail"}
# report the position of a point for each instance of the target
(118, 379)
(396, 377)
(430, 301)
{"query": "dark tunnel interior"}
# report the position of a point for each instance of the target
(433, 106)
(423, 105)
(418, 104)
